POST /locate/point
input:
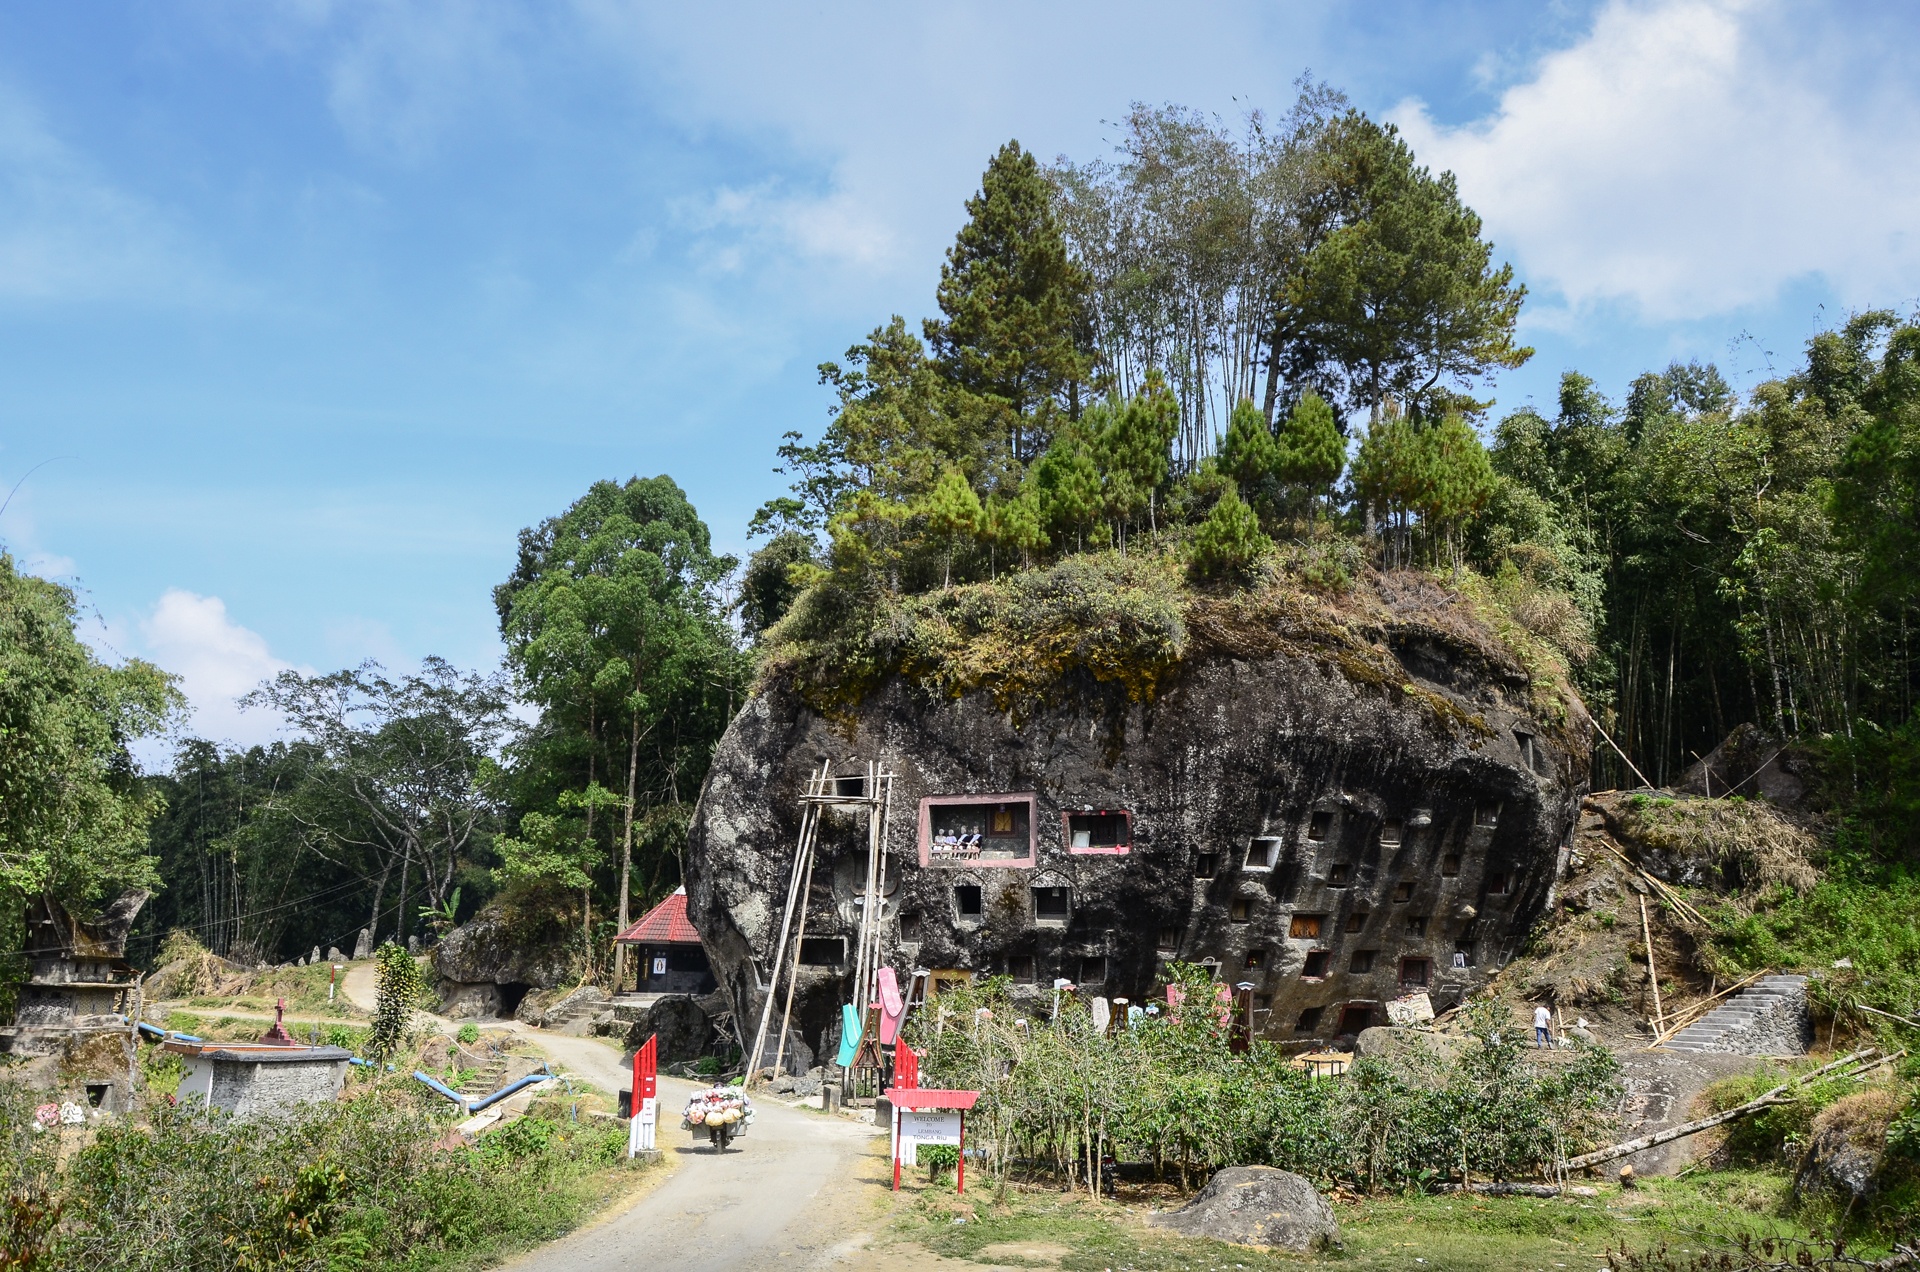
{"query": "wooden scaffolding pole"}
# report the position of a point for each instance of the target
(802, 853)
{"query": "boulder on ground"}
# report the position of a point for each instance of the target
(1257, 1205)
(524, 939)
(1848, 1141)
(685, 1032)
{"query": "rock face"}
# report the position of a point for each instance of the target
(1259, 1206)
(486, 966)
(1335, 843)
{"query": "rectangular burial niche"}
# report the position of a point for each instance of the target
(1450, 865)
(1263, 852)
(1362, 962)
(823, 951)
(1416, 973)
(1093, 969)
(1355, 921)
(1052, 903)
(1319, 824)
(1169, 940)
(1315, 968)
(1107, 831)
(1390, 833)
(1339, 875)
(1255, 960)
(968, 903)
(1020, 968)
(1309, 1020)
(1532, 754)
(910, 925)
(1206, 865)
(1355, 1016)
(977, 830)
(1305, 927)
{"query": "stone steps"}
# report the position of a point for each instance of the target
(486, 1081)
(1756, 1021)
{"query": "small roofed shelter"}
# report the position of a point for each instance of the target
(258, 1079)
(668, 950)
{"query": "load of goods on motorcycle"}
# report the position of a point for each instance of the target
(722, 1113)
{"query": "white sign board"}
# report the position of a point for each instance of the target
(934, 1126)
(1413, 1009)
(640, 1130)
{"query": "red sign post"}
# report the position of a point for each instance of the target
(926, 1116)
(645, 1102)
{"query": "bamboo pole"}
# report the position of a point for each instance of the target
(1653, 972)
(809, 817)
(793, 971)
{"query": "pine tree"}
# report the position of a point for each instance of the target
(953, 513)
(1067, 481)
(1017, 525)
(1013, 303)
(1249, 454)
(1455, 481)
(1312, 452)
(1229, 541)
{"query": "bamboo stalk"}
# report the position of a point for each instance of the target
(1653, 972)
(1911, 1024)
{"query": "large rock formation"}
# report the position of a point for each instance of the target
(515, 944)
(1334, 827)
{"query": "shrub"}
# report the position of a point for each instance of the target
(1056, 1094)
(399, 988)
(469, 1034)
(361, 1183)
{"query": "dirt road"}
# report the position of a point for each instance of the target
(778, 1197)
(798, 1190)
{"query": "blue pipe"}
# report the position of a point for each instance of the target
(474, 1106)
(508, 1090)
(437, 1085)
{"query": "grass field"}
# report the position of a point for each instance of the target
(1411, 1234)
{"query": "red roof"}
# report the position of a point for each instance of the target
(665, 924)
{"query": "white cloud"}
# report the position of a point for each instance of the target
(1692, 157)
(836, 227)
(217, 661)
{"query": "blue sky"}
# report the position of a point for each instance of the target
(312, 306)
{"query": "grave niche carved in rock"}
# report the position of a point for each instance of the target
(1329, 846)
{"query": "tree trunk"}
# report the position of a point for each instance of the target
(626, 851)
(400, 919)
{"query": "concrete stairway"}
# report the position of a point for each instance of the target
(1768, 1017)
(486, 1081)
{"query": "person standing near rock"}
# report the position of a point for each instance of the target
(1542, 1026)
